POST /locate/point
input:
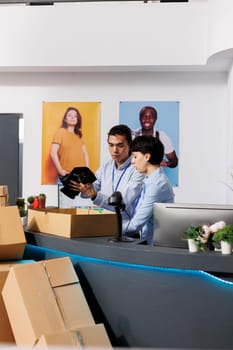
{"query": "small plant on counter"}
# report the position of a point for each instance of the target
(37, 202)
(198, 235)
(30, 200)
(204, 235)
(224, 234)
(22, 206)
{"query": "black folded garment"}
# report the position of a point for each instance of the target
(80, 174)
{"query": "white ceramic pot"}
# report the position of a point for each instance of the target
(24, 220)
(192, 245)
(226, 247)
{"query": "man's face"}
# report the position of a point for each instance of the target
(148, 119)
(118, 148)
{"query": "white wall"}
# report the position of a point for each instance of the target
(220, 26)
(120, 37)
(103, 34)
(203, 120)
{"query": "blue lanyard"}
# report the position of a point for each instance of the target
(120, 178)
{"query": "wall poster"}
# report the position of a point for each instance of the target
(70, 138)
(166, 123)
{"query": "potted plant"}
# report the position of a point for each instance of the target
(195, 238)
(202, 235)
(22, 207)
(225, 236)
(20, 202)
(42, 200)
(30, 200)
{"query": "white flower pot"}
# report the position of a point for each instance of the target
(24, 220)
(192, 245)
(226, 247)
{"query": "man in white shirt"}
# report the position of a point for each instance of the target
(148, 117)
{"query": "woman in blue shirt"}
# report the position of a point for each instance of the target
(147, 154)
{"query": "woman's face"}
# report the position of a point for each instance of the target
(140, 161)
(71, 118)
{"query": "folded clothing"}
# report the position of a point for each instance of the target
(80, 175)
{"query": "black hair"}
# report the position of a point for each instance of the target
(149, 144)
(79, 121)
(143, 110)
(122, 130)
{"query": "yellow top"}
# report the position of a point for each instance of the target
(71, 149)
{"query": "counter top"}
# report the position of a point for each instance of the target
(135, 253)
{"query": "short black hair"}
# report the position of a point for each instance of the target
(122, 130)
(149, 144)
(143, 110)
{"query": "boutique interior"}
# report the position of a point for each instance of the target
(67, 276)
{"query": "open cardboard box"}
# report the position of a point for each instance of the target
(12, 237)
(44, 298)
(89, 336)
(73, 222)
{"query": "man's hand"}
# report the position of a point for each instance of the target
(87, 189)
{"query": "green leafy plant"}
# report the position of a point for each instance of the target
(224, 234)
(20, 202)
(198, 235)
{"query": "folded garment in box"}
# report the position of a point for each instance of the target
(48, 298)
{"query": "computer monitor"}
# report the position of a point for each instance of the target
(171, 220)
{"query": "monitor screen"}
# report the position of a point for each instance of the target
(171, 219)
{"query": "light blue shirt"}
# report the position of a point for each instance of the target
(125, 179)
(156, 189)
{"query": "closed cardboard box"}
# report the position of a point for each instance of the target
(6, 334)
(89, 336)
(44, 298)
(72, 222)
(3, 190)
(3, 201)
(12, 237)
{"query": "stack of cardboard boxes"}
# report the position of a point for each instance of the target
(42, 303)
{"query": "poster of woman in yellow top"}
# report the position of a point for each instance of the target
(70, 138)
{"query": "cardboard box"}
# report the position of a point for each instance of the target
(72, 222)
(12, 237)
(6, 334)
(44, 298)
(3, 201)
(4, 190)
(90, 336)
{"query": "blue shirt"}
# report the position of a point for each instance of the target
(156, 189)
(125, 179)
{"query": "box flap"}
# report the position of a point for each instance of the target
(59, 271)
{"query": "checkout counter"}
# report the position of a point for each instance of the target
(149, 297)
